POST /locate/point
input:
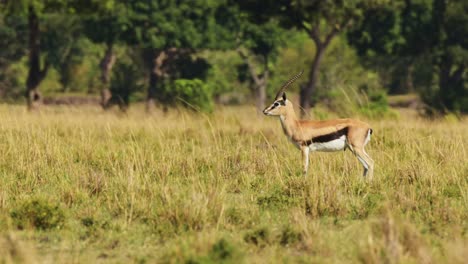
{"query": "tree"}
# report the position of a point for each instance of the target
(12, 48)
(36, 72)
(322, 20)
(168, 30)
(391, 38)
(63, 45)
(106, 22)
(429, 36)
(259, 46)
(34, 11)
(450, 55)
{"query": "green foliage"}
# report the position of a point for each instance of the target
(289, 236)
(347, 87)
(194, 94)
(260, 237)
(411, 45)
(94, 227)
(377, 106)
(259, 45)
(222, 74)
(368, 205)
(298, 52)
(277, 198)
(174, 24)
(426, 38)
(106, 22)
(12, 38)
(12, 81)
(344, 86)
(221, 252)
(125, 81)
(39, 214)
(449, 52)
(12, 49)
(262, 39)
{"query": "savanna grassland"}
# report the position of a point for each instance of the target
(78, 185)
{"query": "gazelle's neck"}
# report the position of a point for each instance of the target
(289, 120)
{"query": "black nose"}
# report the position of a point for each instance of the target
(265, 112)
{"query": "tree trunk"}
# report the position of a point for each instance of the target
(151, 97)
(260, 97)
(444, 84)
(451, 84)
(307, 90)
(156, 75)
(259, 81)
(409, 77)
(261, 87)
(35, 74)
(106, 65)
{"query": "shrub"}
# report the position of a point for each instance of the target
(289, 236)
(377, 106)
(39, 214)
(194, 94)
(443, 101)
(221, 252)
(259, 237)
(124, 83)
(277, 199)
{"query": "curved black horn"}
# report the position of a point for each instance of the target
(286, 84)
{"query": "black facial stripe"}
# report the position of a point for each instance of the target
(278, 103)
(328, 137)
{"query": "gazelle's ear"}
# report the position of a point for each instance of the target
(284, 96)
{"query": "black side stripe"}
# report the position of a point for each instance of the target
(328, 137)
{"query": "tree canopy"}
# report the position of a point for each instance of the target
(161, 48)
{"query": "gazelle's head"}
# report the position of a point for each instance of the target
(279, 106)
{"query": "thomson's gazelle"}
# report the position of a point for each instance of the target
(328, 135)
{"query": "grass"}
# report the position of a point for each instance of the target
(81, 186)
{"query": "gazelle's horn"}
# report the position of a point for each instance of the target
(286, 84)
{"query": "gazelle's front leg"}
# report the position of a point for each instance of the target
(305, 158)
(366, 161)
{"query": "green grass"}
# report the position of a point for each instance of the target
(83, 186)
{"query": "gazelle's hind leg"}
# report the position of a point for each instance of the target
(371, 165)
(305, 159)
(356, 144)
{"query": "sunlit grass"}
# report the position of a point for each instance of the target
(181, 187)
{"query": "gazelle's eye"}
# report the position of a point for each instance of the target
(276, 104)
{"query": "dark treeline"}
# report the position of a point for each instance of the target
(197, 52)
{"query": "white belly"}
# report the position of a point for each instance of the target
(334, 145)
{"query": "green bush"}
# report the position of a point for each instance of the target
(377, 106)
(277, 198)
(194, 94)
(289, 236)
(39, 214)
(259, 237)
(443, 101)
(221, 252)
(125, 82)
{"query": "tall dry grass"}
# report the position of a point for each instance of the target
(80, 185)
